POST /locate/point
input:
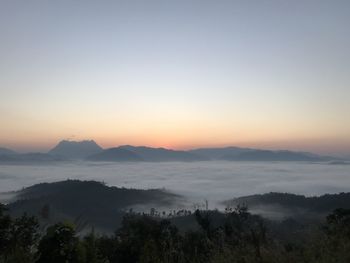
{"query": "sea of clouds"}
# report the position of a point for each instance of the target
(196, 181)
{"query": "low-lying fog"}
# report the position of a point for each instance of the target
(214, 181)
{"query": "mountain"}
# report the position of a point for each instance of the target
(87, 202)
(8, 158)
(76, 149)
(163, 155)
(219, 153)
(246, 154)
(115, 155)
(142, 153)
(5, 151)
(26, 158)
(266, 155)
(283, 205)
(89, 150)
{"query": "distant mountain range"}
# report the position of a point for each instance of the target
(148, 154)
(5, 151)
(30, 158)
(114, 155)
(163, 155)
(247, 154)
(89, 150)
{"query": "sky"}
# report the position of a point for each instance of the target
(176, 74)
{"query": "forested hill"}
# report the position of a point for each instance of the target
(95, 204)
(92, 202)
(292, 205)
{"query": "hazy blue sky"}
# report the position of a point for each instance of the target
(176, 73)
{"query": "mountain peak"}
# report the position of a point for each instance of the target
(6, 151)
(76, 149)
(77, 142)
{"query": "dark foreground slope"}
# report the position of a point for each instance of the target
(91, 202)
(239, 237)
(235, 235)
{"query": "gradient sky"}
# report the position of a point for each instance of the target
(179, 74)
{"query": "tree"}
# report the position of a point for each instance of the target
(60, 244)
(5, 223)
(23, 239)
(91, 245)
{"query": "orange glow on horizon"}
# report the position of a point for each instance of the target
(320, 145)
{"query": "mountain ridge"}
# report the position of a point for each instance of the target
(114, 155)
(281, 205)
(6, 151)
(91, 151)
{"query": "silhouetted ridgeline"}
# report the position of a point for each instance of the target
(163, 155)
(264, 155)
(103, 207)
(5, 151)
(95, 203)
(247, 154)
(281, 205)
(29, 158)
(115, 155)
(89, 150)
(147, 154)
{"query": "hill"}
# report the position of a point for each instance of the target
(6, 151)
(219, 153)
(115, 155)
(285, 205)
(75, 149)
(89, 201)
(246, 154)
(30, 158)
(266, 155)
(162, 155)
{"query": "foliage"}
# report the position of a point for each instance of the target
(18, 238)
(236, 236)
